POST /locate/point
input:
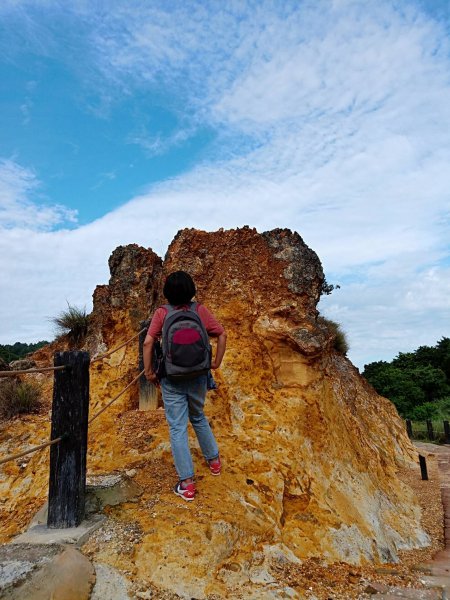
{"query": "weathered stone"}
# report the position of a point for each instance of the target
(310, 452)
(18, 561)
(376, 588)
(69, 576)
(128, 299)
(110, 584)
(110, 490)
(22, 364)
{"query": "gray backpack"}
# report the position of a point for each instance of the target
(185, 343)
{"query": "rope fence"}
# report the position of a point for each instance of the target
(37, 370)
(118, 347)
(116, 397)
(70, 422)
(57, 440)
(34, 449)
(60, 368)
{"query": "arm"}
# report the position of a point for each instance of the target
(220, 351)
(153, 333)
(147, 355)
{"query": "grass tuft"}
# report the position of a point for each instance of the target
(19, 397)
(340, 343)
(73, 322)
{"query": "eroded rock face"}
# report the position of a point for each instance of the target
(127, 300)
(310, 452)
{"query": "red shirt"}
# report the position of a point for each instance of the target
(212, 325)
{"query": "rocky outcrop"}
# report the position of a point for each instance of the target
(22, 364)
(310, 451)
(128, 299)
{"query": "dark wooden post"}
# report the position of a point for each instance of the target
(430, 430)
(409, 428)
(423, 467)
(446, 432)
(148, 394)
(70, 412)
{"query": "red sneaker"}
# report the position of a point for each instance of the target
(215, 466)
(187, 493)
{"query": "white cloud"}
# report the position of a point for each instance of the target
(332, 119)
(18, 188)
(156, 145)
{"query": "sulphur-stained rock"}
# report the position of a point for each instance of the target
(22, 364)
(310, 452)
(128, 299)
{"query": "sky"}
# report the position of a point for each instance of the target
(123, 122)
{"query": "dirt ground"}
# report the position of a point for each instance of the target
(313, 578)
(341, 581)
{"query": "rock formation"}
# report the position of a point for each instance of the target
(310, 451)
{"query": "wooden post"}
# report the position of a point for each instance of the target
(423, 467)
(409, 430)
(148, 393)
(70, 410)
(446, 432)
(430, 430)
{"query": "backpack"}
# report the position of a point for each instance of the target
(185, 343)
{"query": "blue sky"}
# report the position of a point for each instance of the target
(122, 122)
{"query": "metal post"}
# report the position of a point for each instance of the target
(148, 393)
(70, 411)
(446, 432)
(409, 428)
(423, 467)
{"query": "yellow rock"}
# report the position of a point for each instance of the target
(310, 452)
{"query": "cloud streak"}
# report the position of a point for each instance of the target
(19, 187)
(331, 119)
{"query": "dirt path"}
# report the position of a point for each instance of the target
(437, 571)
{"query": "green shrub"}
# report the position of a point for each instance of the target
(18, 397)
(340, 339)
(438, 410)
(72, 322)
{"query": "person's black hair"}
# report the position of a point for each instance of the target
(179, 288)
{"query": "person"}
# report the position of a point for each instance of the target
(184, 400)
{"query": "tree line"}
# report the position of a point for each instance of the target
(418, 382)
(9, 352)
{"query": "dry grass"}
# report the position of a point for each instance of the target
(19, 397)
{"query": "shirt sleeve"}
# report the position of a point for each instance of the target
(212, 325)
(156, 325)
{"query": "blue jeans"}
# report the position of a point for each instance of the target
(183, 402)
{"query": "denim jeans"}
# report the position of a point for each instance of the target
(183, 402)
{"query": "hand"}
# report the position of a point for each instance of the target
(215, 365)
(150, 376)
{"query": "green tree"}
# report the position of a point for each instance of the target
(418, 383)
(19, 350)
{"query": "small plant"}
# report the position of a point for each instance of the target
(72, 322)
(340, 343)
(18, 397)
(327, 288)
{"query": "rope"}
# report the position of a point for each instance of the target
(42, 370)
(116, 398)
(57, 440)
(14, 456)
(118, 347)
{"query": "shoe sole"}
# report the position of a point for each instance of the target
(215, 474)
(183, 496)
